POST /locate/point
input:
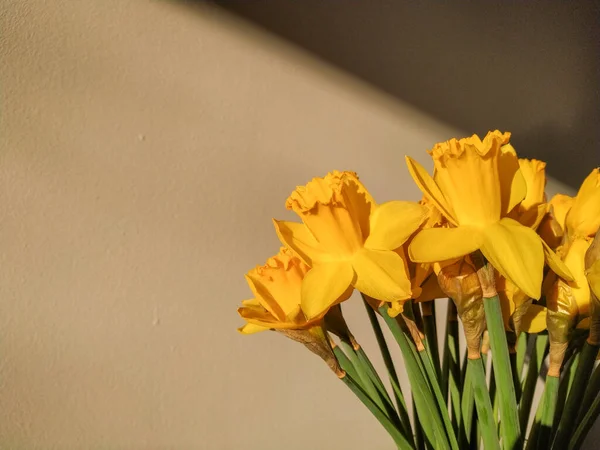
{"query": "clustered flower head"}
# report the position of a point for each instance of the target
(484, 235)
(481, 198)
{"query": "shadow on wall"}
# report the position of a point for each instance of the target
(529, 68)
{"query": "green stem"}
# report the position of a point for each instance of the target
(564, 387)
(391, 370)
(345, 363)
(516, 375)
(419, 441)
(363, 377)
(548, 411)
(521, 351)
(585, 425)
(428, 414)
(538, 354)
(483, 404)
(451, 316)
(467, 409)
(582, 375)
(399, 439)
(532, 439)
(442, 405)
(431, 342)
(511, 433)
(385, 397)
(454, 383)
(591, 393)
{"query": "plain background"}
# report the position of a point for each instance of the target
(145, 147)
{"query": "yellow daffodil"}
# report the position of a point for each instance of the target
(277, 296)
(552, 227)
(532, 209)
(583, 219)
(348, 240)
(476, 184)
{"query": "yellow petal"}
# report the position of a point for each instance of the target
(382, 275)
(593, 277)
(556, 265)
(440, 244)
(251, 328)
(263, 297)
(512, 182)
(324, 285)
(428, 186)
(299, 238)
(560, 205)
(517, 253)
(534, 320)
(392, 223)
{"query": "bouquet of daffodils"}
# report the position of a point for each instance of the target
(522, 275)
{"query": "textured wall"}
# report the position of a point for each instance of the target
(144, 148)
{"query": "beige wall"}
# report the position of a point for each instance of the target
(145, 147)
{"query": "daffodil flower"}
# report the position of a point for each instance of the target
(277, 292)
(348, 240)
(476, 184)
